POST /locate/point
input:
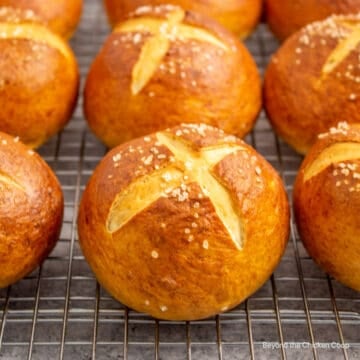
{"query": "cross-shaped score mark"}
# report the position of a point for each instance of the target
(344, 47)
(333, 154)
(189, 166)
(156, 47)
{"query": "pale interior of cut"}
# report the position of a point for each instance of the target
(189, 166)
(154, 50)
(343, 49)
(333, 154)
(36, 33)
(150, 59)
(140, 195)
(8, 180)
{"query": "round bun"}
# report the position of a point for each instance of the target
(60, 16)
(165, 66)
(31, 210)
(184, 223)
(288, 16)
(238, 16)
(38, 82)
(327, 203)
(312, 82)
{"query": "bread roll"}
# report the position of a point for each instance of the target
(31, 210)
(312, 81)
(285, 17)
(165, 66)
(238, 16)
(327, 203)
(61, 16)
(38, 82)
(184, 223)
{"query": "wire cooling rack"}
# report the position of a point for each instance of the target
(60, 312)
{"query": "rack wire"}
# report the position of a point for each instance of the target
(60, 312)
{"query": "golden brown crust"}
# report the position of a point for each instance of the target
(327, 207)
(238, 16)
(175, 259)
(287, 17)
(60, 16)
(31, 208)
(39, 82)
(312, 82)
(188, 85)
(14, 15)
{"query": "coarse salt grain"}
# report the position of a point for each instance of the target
(352, 97)
(137, 38)
(116, 157)
(148, 160)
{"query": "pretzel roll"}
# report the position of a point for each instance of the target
(38, 82)
(238, 16)
(184, 223)
(60, 16)
(165, 66)
(31, 210)
(313, 81)
(327, 203)
(285, 17)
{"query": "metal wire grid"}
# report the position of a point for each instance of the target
(60, 312)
